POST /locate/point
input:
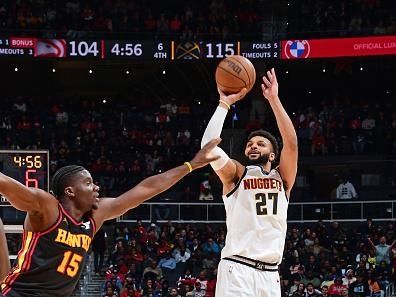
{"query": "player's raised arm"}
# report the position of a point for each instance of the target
(227, 169)
(4, 258)
(31, 200)
(289, 154)
(110, 208)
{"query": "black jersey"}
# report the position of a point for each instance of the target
(50, 262)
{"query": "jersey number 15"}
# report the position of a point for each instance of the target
(261, 203)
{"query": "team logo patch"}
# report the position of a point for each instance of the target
(297, 49)
(86, 225)
(50, 48)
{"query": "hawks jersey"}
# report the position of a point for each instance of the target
(256, 216)
(50, 262)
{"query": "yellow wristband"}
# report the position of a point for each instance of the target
(225, 103)
(188, 166)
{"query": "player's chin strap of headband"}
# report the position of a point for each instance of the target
(213, 130)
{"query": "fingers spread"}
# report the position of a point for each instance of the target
(266, 82)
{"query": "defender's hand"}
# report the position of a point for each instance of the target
(270, 86)
(203, 157)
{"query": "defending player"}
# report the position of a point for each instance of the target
(256, 199)
(4, 258)
(59, 227)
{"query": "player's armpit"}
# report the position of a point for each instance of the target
(288, 166)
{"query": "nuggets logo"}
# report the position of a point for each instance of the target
(296, 49)
(188, 51)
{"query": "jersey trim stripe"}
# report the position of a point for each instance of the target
(69, 216)
(28, 243)
(93, 226)
(237, 185)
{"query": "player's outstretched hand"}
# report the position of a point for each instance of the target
(233, 98)
(270, 85)
(204, 157)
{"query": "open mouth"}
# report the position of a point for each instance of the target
(254, 154)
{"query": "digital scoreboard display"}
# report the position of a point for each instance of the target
(135, 49)
(30, 168)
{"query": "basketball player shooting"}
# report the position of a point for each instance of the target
(4, 258)
(256, 199)
(59, 227)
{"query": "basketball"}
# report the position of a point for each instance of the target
(235, 73)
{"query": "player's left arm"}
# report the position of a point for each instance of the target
(4, 258)
(289, 153)
(110, 208)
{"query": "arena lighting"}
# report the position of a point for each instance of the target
(53, 70)
(361, 68)
(287, 71)
(163, 72)
(90, 71)
(387, 92)
(127, 72)
(104, 101)
(16, 69)
(309, 92)
(324, 69)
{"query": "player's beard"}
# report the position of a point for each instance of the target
(262, 160)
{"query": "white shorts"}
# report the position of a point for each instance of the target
(238, 280)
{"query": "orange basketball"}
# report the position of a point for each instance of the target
(235, 73)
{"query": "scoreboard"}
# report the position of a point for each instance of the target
(30, 168)
(135, 49)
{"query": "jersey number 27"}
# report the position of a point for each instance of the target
(261, 203)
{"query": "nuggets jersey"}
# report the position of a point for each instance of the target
(256, 216)
(50, 262)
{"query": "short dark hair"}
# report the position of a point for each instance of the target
(61, 177)
(267, 135)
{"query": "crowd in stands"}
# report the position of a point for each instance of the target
(328, 260)
(365, 17)
(125, 143)
(195, 20)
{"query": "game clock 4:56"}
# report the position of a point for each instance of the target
(30, 168)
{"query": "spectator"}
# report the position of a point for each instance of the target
(337, 288)
(359, 288)
(346, 190)
(153, 271)
(349, 278)
(310, 291)
(211, 247)
(205, 193)
(168, 262)
(382, 249)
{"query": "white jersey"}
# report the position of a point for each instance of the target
(256, 216)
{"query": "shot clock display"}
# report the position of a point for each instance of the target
(30, 168)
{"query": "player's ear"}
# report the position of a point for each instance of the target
(69, 192)
(271, 157)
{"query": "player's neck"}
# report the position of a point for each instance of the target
(266, 166)
(75, 213)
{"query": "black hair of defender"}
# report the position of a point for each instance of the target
(61, 177)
